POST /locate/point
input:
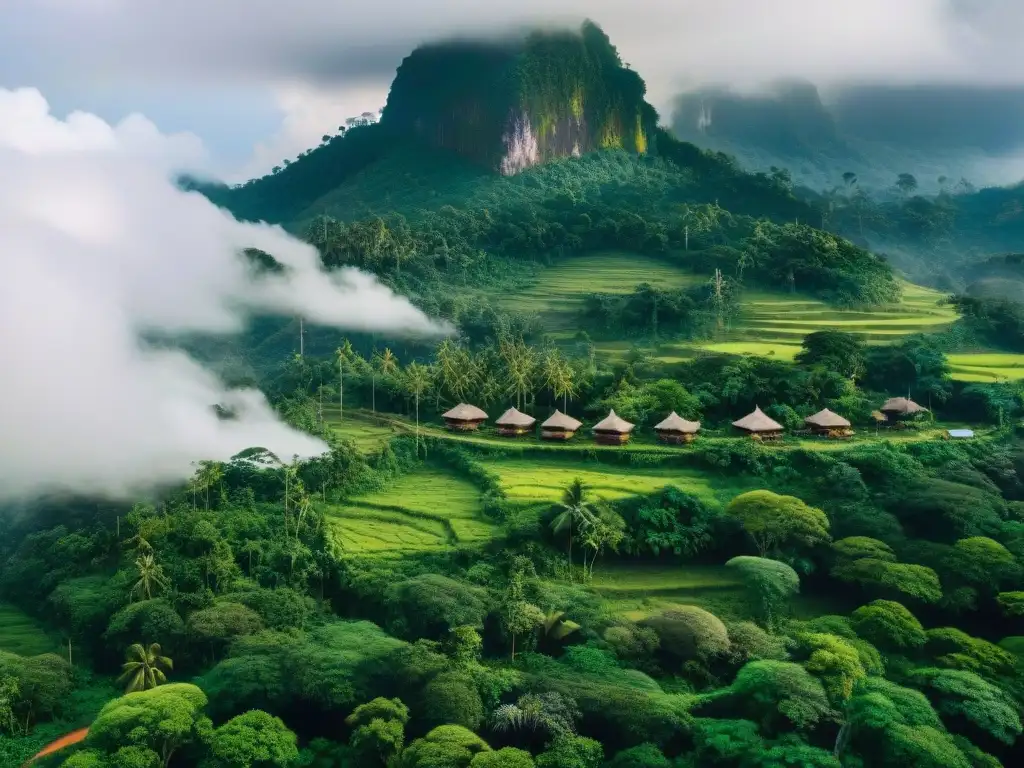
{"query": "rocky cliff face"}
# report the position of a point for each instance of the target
(512, 104)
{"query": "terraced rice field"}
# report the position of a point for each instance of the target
(21, 634)
(781, 320)
(558, 291)
(427, 510)
(987, 368)
(532, 481)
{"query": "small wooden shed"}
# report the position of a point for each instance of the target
(759, 426)
(675, 429)
(464, 418)
(612, 430)
(513, 423)
(828, 424)
(559, 427)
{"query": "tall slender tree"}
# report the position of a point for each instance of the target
(344, 354)
(417, 381)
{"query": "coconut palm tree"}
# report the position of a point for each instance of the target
(343, 353)
(575, 512)
(151, 576)
(417, 381)
(144, 667)
(385, 364)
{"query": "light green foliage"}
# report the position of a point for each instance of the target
(965, 694)
(771, 583)
(889, 625)
(506, 757)
(793, 753)
(925, 747)
(572, 752)
(447, 746)
(1012, 603)
(253, 740)
(452, 698)
(690, 633)
(163, 719)
(913, 581)
(835, 662)
(775, 521)
(857, 547)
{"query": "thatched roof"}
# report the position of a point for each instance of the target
(879, 416)
(758, 422)
(613, 423)
(559, 420)
(826, 419)
(465, 412)
(676, 423)
(515, 418)
(903, 406)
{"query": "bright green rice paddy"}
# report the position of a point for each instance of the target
(21, 634)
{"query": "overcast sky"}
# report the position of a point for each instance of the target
(258, 80)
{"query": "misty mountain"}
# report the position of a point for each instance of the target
(933, 132)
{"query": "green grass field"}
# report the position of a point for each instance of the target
(533, 481)
(987, 368)
(21, 634)
(426, 510)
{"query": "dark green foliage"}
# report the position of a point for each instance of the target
(34, 688)
(779, 695)
(642, 756)
(671, 521)
(149, 621)
(280, 608)
(506, 757)
(771, 584)
(452, 698)
(572, 752)
(690, 633)
(432, 605)
(834, 351)
(889, 625)
(961, 694)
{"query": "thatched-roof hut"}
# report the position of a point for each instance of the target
(559, 427)
(879, 417)
(675, 429)
(464, 418)
(759, 426)
(513, 423)
(901, 407)
(829, 424)
(612, 430)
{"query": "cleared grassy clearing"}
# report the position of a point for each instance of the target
(423, 511)
(987, 367)
(366, 434)
(557, 292)
(639, 590)
(21, 634)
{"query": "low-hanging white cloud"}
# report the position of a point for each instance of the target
(98, 247)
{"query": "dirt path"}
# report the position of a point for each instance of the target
(64, 741)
